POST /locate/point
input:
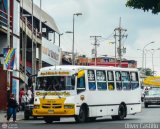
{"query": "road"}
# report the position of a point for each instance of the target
(140, 121)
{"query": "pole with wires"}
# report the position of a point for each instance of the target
(95, 45)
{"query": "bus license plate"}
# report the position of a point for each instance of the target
(50, 111)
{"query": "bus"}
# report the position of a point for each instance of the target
(86, 93)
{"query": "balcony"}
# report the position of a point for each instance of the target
(26, 26)
(4, 21)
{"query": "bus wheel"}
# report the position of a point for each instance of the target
(48, 120)
(92, 119)
(121, 112)
(114, 117)
(145, 105)
(26, 116)
(82, 117)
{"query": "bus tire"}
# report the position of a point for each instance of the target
(145, 105)
(92, 119)
(122, 112)
(115, 117)
(82, 117)
(48, 120)
(26, 116)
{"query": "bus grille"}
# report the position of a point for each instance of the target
(51, 106)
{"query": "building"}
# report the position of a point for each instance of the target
(10, 81)
(33, 37)
(106, 61)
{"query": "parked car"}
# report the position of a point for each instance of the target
(152, 96)
(28, 109)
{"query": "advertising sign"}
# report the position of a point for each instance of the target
(51, 53)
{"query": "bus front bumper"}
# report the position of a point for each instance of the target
(53, 112)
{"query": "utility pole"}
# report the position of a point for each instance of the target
(120, 35)
(115, 60)
(95, 45)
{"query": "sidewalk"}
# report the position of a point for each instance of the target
(20, 116)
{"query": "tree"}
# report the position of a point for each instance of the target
(145, 5)
(148, 72)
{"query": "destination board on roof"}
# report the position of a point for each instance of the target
(55, 73)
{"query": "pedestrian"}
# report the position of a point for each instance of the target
(24, 101)
(29, 93)
(21, 93)
(12, 107)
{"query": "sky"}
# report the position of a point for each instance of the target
(100, 18)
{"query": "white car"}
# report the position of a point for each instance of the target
(152, 96)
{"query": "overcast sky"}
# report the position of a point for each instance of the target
(101, 17)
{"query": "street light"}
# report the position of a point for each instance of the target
(73, 60)
(143, 53)
(152, 52)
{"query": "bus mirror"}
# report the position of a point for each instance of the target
(80, 73)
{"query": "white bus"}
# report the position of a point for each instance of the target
(86, 93)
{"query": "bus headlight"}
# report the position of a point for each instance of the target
(36, 106)
(68, 106)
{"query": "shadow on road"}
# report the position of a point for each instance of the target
(96, 121)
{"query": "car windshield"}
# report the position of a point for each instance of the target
(53, 83)
(153, 92)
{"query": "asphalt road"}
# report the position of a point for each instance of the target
(149, 118)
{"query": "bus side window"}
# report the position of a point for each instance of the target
(81, 82)
(134, 80)
(101, 80)
(126, 80)
(118, 80)
(91, 80)
(110, 77)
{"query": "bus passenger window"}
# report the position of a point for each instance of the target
(81, 82)
(118, 80)
(91, 80)
(126, 80)
(111, 86)
(110, 76)
(134, 80)
(101, 80)
(92, 85)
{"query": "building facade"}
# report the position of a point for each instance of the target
(33, 34)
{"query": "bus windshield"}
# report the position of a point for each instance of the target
(53, 83)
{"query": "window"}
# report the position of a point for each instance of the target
(101, 80)
(110, 76)
(51, 83)
(81, 83)
(91, 80)
(126, 80)
(118, 80)
(134, 80)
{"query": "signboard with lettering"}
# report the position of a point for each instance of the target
(51, 53)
